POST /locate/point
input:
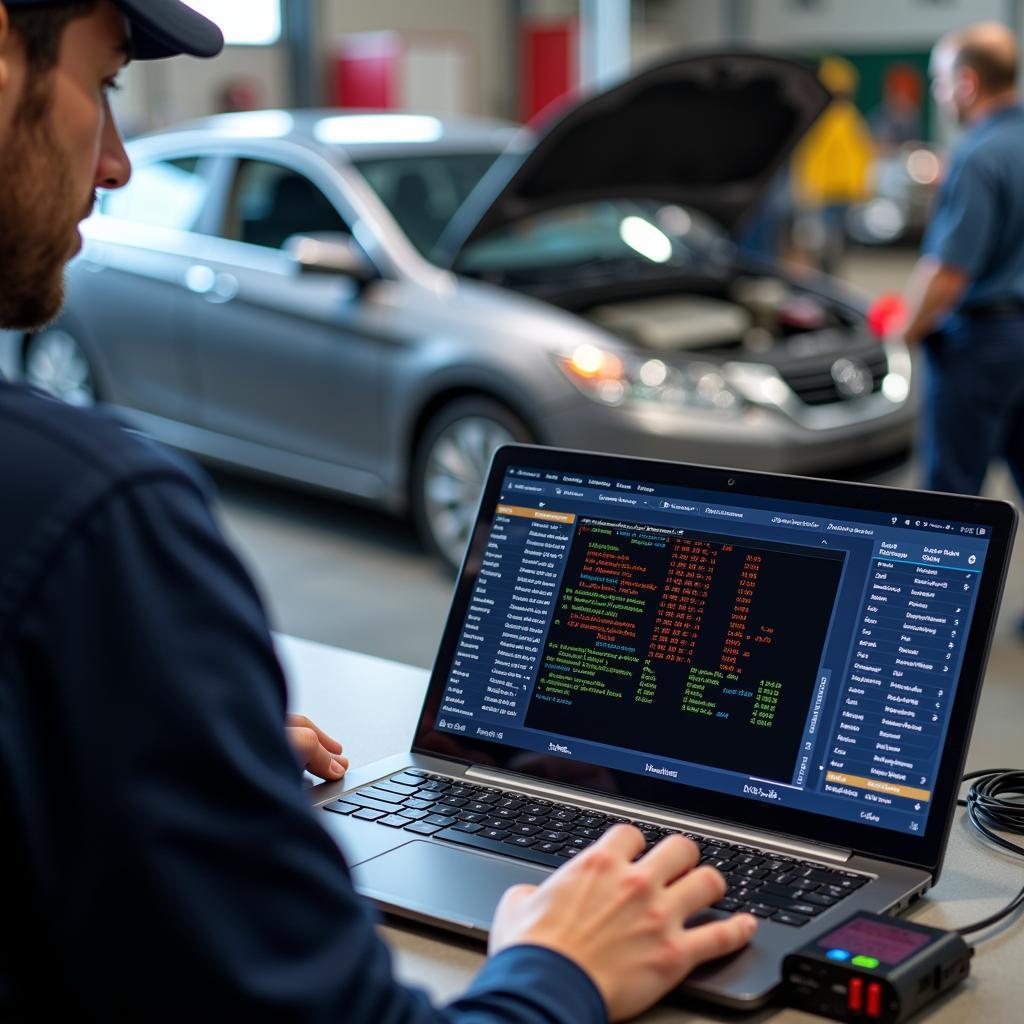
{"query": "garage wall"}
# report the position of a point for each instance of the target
(460, 60)
(463, 53)
(159, 93)
(787, 24)
(887, 24)
(662, 27)
(458, 41)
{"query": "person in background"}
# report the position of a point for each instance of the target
(162, 859)
(830, 168)
(965, 300)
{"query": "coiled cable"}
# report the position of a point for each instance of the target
(995, 800)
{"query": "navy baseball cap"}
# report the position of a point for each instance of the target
(160, 28)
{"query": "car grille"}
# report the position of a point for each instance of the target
(813, 382)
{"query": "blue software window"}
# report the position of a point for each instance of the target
(800, 656)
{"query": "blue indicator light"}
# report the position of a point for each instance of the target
(838, 954)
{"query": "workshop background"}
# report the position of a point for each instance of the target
(344, 572)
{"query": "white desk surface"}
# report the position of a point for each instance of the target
(372, 705)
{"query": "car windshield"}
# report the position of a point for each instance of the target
(607, 234)
(423, 192)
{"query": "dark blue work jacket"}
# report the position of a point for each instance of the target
(158, 858)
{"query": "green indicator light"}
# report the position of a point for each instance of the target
(868, 962)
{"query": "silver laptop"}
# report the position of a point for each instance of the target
(784, 669)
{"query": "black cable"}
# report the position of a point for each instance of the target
(996, 801)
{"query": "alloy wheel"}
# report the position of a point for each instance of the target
(454, 473)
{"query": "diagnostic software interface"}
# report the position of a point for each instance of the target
(786, 653)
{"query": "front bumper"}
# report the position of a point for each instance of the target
(757, 438)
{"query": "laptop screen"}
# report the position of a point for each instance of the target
(782, 652)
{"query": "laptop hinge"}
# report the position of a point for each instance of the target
(665, 816)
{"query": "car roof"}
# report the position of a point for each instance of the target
(361, 134)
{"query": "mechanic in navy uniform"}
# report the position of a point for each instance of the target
(966, 299)
(159, 857)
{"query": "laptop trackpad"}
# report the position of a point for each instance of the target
(442, 883)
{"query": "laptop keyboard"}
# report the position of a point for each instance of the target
(768, 885)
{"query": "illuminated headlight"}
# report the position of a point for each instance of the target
(614, 380)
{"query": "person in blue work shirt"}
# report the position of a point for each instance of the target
(966, 297)
(160, 857)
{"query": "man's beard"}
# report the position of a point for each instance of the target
(38, 217)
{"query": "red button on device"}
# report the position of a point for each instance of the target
(874, 999)
(856, 997)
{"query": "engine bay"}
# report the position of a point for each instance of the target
(750, 318)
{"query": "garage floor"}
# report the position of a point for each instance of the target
(338, 573)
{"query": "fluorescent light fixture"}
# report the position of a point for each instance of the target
(645, 238)
(253, 23)
(353, 129)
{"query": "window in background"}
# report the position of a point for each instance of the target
(253, 23)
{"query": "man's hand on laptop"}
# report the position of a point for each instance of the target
(317, 752)
(621, 919)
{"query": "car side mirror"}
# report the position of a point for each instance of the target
(330, 253)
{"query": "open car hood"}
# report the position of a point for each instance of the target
(708, 132)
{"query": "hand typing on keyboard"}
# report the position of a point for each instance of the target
(619, 916)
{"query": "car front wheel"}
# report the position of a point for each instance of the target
(450, 466)
(55, 362)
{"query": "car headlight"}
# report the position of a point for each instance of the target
(612, 379)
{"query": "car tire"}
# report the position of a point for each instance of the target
(449, 468)
(55, 362)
